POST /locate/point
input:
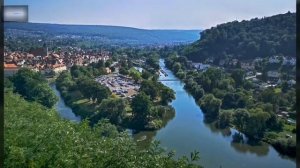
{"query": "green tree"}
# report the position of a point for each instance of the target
(238, 76)
(176, 67)
(22, 76)
(269, 96)
(149, 87)
(135, 75)
(123, 71)
(43, 94)
(210, 107)
(34, 87)
(180, 74)
(141, 105)
(224, 120)
(167, 95)
(145, 74)
(100, 92)
(153, 62)
(113, 109)
(256, 124)
(84, 84)
(197, 91)
(240, 119)
(108, 63)
(61, 143)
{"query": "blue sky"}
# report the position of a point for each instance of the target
(152, 14)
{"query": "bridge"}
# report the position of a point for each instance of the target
(168, 80)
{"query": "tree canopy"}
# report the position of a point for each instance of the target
(275, 35)
(36, 137)
(33, 86)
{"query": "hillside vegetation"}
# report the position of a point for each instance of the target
(245, 40)
(36, 137)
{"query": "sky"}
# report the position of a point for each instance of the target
(152, 14)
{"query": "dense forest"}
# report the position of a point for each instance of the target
(246, 40)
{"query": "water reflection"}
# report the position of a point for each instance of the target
(258, 149)
(242, 145)
(144, 138)
(226, 132)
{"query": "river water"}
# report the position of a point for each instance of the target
(64, 111)
(186, 132)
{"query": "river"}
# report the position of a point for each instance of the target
(186, 132)
(64, 111)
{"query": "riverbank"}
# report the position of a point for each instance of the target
(86, 109)
(93, 100)
(187, 132)
(264, 127)
(63, 110)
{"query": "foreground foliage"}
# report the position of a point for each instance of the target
(33, 86)
(36, 137)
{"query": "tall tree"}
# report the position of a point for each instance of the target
(167, 95)
(141, 105)
(113, 109)
(210, 106)
(240, 118)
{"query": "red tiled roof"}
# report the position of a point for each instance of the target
(58, 65)
(10, 66)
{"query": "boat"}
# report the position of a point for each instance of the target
(142, 138)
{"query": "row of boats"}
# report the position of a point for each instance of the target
(163, 72)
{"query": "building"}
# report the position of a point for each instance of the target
(10, 69)
(200, 66)
(274, 60)
(108, 70)
(40, 52)
(273, 75)
(291, 82)
(57, 68)
(289, 61)
(247, 66)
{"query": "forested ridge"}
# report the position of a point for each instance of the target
(246, 40)
(107, 34)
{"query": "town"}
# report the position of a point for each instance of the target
(271, 78)
(50, 62)
(262, 72)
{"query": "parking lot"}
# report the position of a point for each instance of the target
(120, 85)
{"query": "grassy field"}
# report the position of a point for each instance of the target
(82, 106)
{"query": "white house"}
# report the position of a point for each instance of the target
(289, 61)
(274, 60)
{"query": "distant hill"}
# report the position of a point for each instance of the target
(268, 36)
(112, 33)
